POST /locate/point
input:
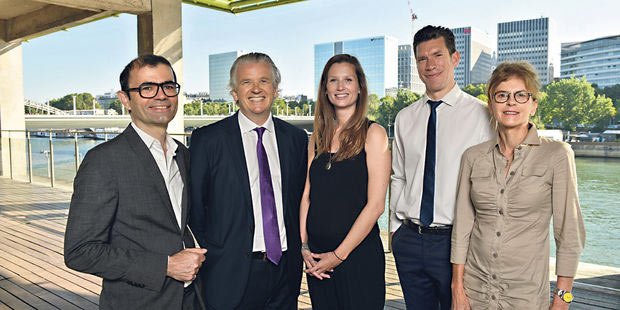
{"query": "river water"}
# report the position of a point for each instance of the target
(599, 192)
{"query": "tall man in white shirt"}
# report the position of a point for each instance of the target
(248, 174)
(128, 213)
(429, 138)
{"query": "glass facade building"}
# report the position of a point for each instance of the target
(408, 77)
(477, 56)
(219, 74)
(377, 55)
(598, 60)
(527, 40)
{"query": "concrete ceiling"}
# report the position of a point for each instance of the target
(25, 19)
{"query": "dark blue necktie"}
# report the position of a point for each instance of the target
(428, 190)
(271, 232)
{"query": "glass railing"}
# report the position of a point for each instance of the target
(52, 158)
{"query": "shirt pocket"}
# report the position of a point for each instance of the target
(531, 193)
(483, 188)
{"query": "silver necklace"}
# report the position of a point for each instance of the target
(328, 165)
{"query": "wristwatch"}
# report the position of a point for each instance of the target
(566, 296)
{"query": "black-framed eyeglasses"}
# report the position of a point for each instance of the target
(149, 90)
(520, 96)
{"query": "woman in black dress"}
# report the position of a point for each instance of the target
(349, 169)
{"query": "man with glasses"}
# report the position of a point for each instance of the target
(129, 210)
(429, 138)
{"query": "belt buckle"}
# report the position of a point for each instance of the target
(419, 229)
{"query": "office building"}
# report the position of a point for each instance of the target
(528, 40)
(377, 55)
(219, 74)
(477, 56)
(597, 59)
(408, 77)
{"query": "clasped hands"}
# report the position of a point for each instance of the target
(184, 265)
(319, 265)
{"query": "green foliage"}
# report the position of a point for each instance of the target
(612, 92)
(389, 107)
(476, 90)
(83, 101)
(572, 102)
(208, 108)
(117, 106)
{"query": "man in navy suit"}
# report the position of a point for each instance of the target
(247, 177)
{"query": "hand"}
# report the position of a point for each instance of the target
(558, 304)
(184, 265)
(323, 263)
(310, 262)
(459, 298)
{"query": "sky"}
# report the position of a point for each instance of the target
(89, 58)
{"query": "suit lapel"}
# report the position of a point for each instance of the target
(283, 141)
(150, 167)
(237, 156)
(182, 164)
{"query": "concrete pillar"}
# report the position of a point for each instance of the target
(159, 32)
(13, 144)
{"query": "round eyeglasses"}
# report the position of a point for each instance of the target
(520, 96)
(149, 90)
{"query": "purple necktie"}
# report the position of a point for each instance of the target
(271, 232)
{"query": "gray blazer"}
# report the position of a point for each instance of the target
(122, 227)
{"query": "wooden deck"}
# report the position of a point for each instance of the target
(33, 274)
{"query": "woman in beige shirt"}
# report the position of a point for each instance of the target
(509, 189)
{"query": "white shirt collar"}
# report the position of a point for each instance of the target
(247, 125)
(152, 142)
(451, 98)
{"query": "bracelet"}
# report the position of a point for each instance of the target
(338, 257)
(304, 246)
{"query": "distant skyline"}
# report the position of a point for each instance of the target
(89, 58)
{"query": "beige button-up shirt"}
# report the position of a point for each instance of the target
(501, 227)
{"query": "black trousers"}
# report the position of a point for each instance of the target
(268, 286)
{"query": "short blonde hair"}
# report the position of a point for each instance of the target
(518, 69)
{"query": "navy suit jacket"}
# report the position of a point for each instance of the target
(221, 215)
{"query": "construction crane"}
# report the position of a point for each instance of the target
(413, 18)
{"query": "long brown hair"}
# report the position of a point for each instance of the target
(353, 135)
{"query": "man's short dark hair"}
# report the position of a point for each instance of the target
(140, 62)
(434, 32)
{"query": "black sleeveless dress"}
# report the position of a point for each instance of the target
(337, 196)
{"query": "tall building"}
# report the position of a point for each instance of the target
(408, 76)
(528, 40)
(219, 74)
(477, 56)
(377, 55)
(597, 59)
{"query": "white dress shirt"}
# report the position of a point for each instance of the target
(168, 168)
(250, 139)
(462, 121)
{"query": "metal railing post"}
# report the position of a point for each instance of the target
(51, 160)
(77, 152)
(10, 157)
(29, 149)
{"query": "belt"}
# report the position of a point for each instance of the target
(190, 287)
(446, 229)
(262, 255)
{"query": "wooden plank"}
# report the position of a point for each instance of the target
(21, 292)
(11, 301)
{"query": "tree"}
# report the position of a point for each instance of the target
(612, 92)
(476, 89)
(373, 106)
(389, 107)
(83, 101)
(572, 102)
(117, 106)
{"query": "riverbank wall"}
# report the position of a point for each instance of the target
(596, 149)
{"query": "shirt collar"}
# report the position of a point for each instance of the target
(451, 98)
(152, 142)
(246, 125)
(531, 138)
